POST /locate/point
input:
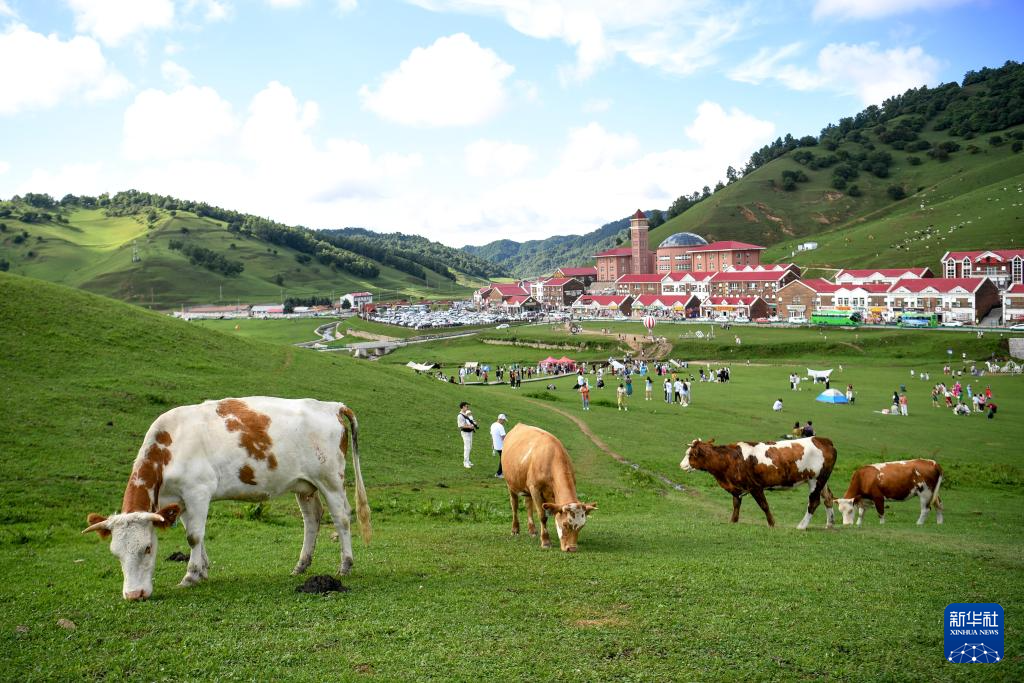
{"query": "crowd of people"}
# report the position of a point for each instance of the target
(963, 400)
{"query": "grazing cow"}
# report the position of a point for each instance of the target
(745, 467)
(893, 481)
(536, 466)
(234, 449)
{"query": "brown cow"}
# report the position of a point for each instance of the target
(536, 465)
(893, 481)
(744, 467)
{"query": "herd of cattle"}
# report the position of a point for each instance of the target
(260, 447)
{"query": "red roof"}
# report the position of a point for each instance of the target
(1000, 254)
(727, 245)
(942, 285)
(514, 300)
(586, 299)
(863, 273)
(680, 275)
(749, 276)
(617, 251)
(665, 299)
(639, 278)
(819, 285)
(873, 288)
(570, 272)
(640, 214)
(1016, 288)
(509, 290)
(559, 281)
(359, 294)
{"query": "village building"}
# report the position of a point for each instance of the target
(1003, 267)
(635, 285)
(1013, 304)
(357, 301)
(732, 307)
(887, 276)
(667, 305)
(716, 256)
(514, 305)
(636, 259)
(764, 283)
(800, 298)
(965, 299)
(213, 312)
(687, 282)
(602, 306)
(560, 292)
(267, 311)
(492, 294)
(587, 274)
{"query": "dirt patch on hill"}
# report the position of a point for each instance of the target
(832, 196)
(767, 213)
(820, 218)
(747, 214)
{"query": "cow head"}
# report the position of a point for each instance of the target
(694, 458)
(569, 519)
(848, 507)
(133, 540)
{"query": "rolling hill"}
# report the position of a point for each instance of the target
(896, 184)
(164, 252)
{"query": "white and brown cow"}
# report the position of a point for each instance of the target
(744, 467)
(897, 480)
(234, 449)
(536, 466)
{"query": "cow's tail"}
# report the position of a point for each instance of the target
(362, 504)
(938, 484)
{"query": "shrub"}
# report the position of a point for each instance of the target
(914, 161)
(1017, 146)
(788, 184)
(896, 192)
(996, 140)
(838, 182)
(854, 191)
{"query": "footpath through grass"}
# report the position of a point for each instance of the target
(663, 588)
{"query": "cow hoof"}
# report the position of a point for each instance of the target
(546, 546)
(346, 567)
(189, 581)
(301, 569)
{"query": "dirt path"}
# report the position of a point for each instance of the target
(607, 449)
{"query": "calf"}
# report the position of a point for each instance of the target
(237, 449)
(897, 480)
(745, 467)
(536, 466)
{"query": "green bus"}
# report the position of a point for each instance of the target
(918, 319)
(836, 318)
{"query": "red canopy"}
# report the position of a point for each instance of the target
(565, 359)
(549, 360)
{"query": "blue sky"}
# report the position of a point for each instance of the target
(462, 120)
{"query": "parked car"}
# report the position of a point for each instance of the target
(796, 320)
(503, 326)
(951, 323)
(1018, 326)
(741, 319)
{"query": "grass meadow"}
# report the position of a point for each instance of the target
(663, 588)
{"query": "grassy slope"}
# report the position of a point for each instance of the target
(662, 587)
(94, 253)
(964, 188)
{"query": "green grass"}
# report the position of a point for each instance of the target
(862, 231)
(286, 331)
(94, 252)
(663, 588)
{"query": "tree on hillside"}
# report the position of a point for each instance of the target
(656, 218)
(731, 175)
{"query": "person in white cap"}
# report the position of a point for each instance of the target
(498, 440)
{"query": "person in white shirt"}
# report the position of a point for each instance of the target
(498, 440)
(678, 387)
(467, 425)
(777, 406)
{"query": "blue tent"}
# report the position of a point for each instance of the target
(832, 396)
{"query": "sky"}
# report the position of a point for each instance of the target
(465, 121)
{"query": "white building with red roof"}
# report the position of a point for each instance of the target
(870, 276)
(585, 274)
(560, 292)
(357, 301)
(493, 293)
(1003, 266)
(667, 305)
(764, 284)
(603, 306)
(965, 299)
(1013, 304)
(732, 307)
(518, 304)
(687, 282)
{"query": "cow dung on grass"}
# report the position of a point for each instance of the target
(177, 556)
(321, 583)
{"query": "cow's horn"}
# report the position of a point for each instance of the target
(154, 517)
(98, 526)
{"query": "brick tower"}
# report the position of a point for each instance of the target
(640, 262)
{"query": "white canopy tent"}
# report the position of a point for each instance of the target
(819, 375)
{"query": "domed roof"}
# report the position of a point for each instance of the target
(684, 239)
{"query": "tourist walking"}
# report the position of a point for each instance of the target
(585, 394)
(498, 440)
(903, 405)
(629, 385)
(467, 425)
(648, 388)
(668, 390)
(850, 398)
(620, 397)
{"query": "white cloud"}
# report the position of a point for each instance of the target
(76, 178)
(678, 36)
(596, 106)
(51, 70)
(345, 6)
(175, 74)
(5, 10)
(486, 158)
(865, 71)
(454, 82)
(592, 148)
(876, 9)
(114, 20)
(212, 10)
(4, 167)
(189, 122)
(276, 129)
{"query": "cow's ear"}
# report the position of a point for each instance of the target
(588, 507)
(97, 523)
(552, 507)
(170, 516)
